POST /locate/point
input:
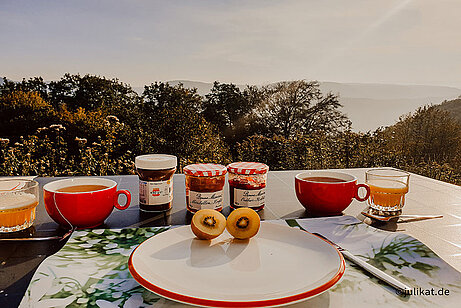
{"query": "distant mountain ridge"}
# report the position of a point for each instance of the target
(368, 106)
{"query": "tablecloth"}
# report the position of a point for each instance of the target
(91, 270)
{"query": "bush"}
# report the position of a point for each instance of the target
(94, 126)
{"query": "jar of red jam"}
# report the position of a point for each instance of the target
(155, 173)
(247, 184)
(204, 186)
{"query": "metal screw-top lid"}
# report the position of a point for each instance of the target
(156, 161)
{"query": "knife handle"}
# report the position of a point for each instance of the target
(403, 288)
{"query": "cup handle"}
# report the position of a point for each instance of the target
(357, 192)
(128, 199)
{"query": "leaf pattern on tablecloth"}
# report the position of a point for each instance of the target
(91, 269)
(399, 255)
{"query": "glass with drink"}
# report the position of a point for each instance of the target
(387, 190)
(18, 200)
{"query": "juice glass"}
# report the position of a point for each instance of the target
(387, 190)
(18, 200)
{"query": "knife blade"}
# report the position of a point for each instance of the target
(400, 286)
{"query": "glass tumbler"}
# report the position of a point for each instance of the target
(18, 201)
(388, 187)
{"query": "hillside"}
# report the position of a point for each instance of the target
(454, 107)
(369, 106)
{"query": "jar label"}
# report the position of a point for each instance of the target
(155, 193)
(205, 200)
(249, 198)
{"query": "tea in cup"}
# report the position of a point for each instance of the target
(82, 202)
(388, 187)
(326, 193)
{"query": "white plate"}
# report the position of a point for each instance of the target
(280, 265)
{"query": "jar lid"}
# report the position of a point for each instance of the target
(155, 161)
(205, 169)
(247, 168)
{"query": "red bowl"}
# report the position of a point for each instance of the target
(327, 198)
(82, 209)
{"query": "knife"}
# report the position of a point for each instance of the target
(403, 288)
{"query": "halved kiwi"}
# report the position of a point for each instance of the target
(208, 224)
(243, 223)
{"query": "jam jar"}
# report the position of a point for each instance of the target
(204, 186)
(247, 184)
(155, 173)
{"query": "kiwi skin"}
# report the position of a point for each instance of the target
(202, 230)
(243, 223)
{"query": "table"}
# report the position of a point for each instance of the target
(18, 261)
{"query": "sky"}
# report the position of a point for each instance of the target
(244, 42)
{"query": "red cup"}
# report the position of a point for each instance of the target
(82, 209)
(322, 198)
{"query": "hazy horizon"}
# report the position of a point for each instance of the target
(401, 42)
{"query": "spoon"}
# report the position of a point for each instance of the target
(42, 238)
(409, 217)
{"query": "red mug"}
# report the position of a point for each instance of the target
(82, 202)
(327, 193)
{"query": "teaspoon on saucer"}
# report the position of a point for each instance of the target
(408, 217)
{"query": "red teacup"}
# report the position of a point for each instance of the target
(83, 202)
(326, 193)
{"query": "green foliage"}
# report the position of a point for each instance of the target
(299, 107)
(23, 112)
(428, 134)
(49, 154)
(90, 125)
(160, 95)
(172, 123)
(452, 106)
(231, 110)
(91, 93)
(186, 134)
(35, 84)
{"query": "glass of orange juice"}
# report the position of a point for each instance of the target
(18, 201)
(388, 187)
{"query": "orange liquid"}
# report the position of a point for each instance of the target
(387, 194)
(18, 216)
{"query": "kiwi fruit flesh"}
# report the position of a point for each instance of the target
(243, 223)
(208, 224)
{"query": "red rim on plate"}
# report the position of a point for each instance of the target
(210, 302)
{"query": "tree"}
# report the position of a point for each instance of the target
(231, 110)
(188, 136)
(160, 95)
(429, 134)
(172, 123)
(298, 107)
(92, 92)
(22, 113)
(34, 84)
